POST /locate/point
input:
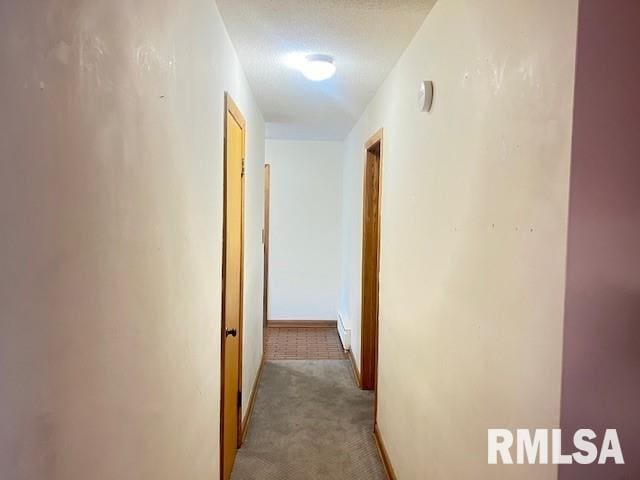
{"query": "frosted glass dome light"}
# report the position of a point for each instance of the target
(318, 67)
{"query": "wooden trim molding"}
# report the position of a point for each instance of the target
(302, 323)
(232, 108)
(370, 283)
(354, 368)
(375, 138)
(388, 468)
(252, 401)
(265, 243)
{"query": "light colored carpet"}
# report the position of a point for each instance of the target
(310, 421)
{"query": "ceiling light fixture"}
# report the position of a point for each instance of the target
(316, 67)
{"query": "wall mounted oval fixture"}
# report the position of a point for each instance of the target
(425, 96)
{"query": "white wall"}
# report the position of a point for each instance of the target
(304, 258)
(474, 225)
(111, 218)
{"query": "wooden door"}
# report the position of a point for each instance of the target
(265, 240)
(370, 262)
(232, 273)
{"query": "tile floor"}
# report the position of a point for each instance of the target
(303, 343)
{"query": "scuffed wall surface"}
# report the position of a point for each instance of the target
(110, 218)
(473, 234)
(601, 364)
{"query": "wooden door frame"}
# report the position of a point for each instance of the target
(265, 241)
(369, 333)
(231, 108)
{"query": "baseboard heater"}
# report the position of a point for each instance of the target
(344, 333)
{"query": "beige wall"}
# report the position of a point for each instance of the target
(474, 225)
(304, 244)
(110, 218)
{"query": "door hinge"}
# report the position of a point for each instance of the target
(239, 399)
(242, 174)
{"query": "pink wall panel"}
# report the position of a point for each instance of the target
(601, 365)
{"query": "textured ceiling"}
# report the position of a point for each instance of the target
(366, 38)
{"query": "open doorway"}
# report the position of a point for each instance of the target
(370, 262)
(232, 287)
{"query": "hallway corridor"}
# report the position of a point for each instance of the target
(319, 240)
(310, 421)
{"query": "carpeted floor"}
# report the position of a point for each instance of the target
(310, 421)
